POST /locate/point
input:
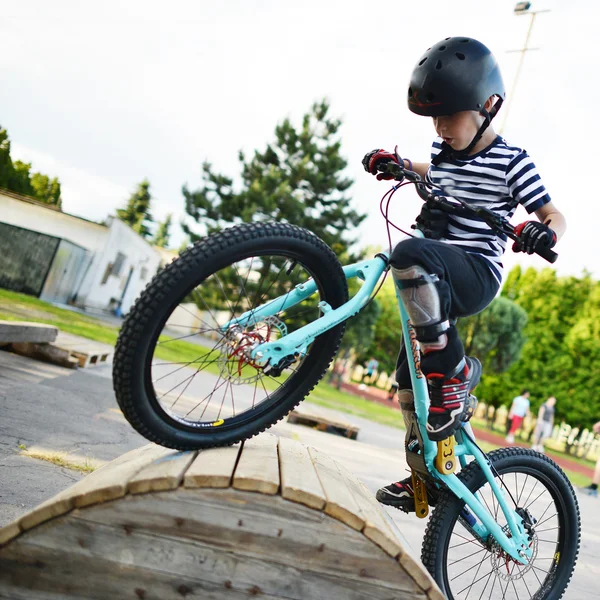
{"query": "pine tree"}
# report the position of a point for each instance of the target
(298, 179)
(161, 238)
(137, 212)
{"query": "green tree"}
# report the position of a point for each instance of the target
(17, 177)
(6, 166)
(560, 356)
(45, 189)
(298, 178)
(20, 180)
(161, 237)
(496, 337)
(388, 330)
(137, 211)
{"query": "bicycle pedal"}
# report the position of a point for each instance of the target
(471, 403)
(445, 460)
(421, 502)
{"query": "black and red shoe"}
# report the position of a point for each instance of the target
(451, 400)
(401, 495)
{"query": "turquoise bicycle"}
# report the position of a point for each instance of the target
(234, 333)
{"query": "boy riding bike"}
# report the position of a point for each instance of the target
(456, 270)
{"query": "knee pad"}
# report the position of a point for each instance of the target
(418, 291)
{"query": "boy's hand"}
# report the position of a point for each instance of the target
(534, 236)
(432, 222)
(372, 161)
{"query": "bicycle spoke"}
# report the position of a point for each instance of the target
(523, 488)
(486, 584)
(467, 570)
(474, 582)
(465, 557)
(205, 363)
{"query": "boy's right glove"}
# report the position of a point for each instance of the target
(374, 159)
(432, 222)
(534, 236)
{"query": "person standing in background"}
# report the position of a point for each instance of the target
(371, 368)
(544, 425)
(518, 411)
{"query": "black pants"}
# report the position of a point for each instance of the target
(466, 286)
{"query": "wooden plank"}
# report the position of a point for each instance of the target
(299, 480)
(258, 466)
(320, 414)
(106, 483)
(110, 481)
(134, 555)
(9, 532)
(212, 468)
(164, 473)
(376, 526)
(105, 578)
(420, 575)
(340, 503)
(252, 524)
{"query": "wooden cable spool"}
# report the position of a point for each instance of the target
(269, 518)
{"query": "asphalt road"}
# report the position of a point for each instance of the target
(52, 409)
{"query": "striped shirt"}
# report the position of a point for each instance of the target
(500, 178)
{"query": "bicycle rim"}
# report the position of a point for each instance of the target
(482, 570)
(197, 375)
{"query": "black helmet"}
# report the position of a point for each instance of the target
(456, 74)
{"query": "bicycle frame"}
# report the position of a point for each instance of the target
(296, 344)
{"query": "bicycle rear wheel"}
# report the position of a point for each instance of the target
(181, 380)
(467, 567)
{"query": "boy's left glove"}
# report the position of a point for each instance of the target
(372, 160)
(534, 236)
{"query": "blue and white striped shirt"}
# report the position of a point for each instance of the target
(500, 178)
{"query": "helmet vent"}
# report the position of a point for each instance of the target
(460, 56)
(446, 39)
(438, 65)
(430, 97)
(441, 48)
(410, 92)
(423, 61)
(465, 41)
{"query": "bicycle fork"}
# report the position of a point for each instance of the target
(514, 538)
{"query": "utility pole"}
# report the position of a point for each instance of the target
(521, 8)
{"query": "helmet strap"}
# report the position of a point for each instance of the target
(448, 152)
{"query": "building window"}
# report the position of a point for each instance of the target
(118, 264)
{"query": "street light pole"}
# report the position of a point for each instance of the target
(522, 8)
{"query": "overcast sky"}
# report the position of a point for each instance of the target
(103, 94)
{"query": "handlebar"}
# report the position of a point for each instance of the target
(496, 222)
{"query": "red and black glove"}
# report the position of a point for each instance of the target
(374, 159)
(533, 237)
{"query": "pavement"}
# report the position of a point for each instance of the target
(53, 409)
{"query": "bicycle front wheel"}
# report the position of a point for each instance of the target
(466, 567)
(183, 380)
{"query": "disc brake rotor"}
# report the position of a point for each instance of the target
(235, 353)
(502, 562)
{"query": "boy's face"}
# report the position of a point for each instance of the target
(458, 129)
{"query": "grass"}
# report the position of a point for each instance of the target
(330, 397)
(59, 459)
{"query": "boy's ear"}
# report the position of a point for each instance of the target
(489, 103)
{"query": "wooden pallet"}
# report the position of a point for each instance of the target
(322, 419)
(86, 352)
(270, 518)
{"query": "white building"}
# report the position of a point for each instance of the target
(66, 259)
